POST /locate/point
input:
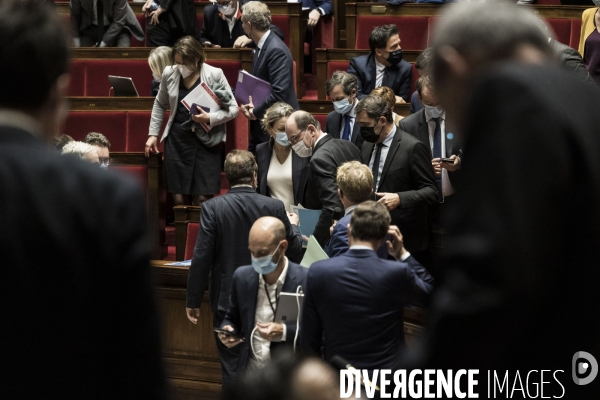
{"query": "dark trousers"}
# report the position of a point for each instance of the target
(89, 36)
(229, 357)
(162, 34)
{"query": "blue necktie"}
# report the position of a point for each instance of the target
(346, 134)
(437, 153)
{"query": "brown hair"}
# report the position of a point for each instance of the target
(387, 94)
(240, 166)
(376, 107)
(97, 139)
(370, 221)
(190, 51)
(275, 113)
(355, 181)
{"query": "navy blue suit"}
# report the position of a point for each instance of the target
(242, 306)
(274, 65)
(338, 243)
(355, 303)
(415, 103)
(364, 68)
(334, 124)
(326, 5)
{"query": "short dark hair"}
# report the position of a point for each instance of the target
(426, 81)
(304, 119)
(380, 35)
(347, 80)
(34, 50)
(97, 139)
(240, 166)
(370, 221)
(190, 50)
(375, 106)
(423, 61)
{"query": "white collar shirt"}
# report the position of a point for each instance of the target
(447, 188)
(380, 71)
(385, 148)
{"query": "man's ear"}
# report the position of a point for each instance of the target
(340, 193)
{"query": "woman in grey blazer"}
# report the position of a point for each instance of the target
(192, 155)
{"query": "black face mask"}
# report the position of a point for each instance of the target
(395, 57)
(368, 134)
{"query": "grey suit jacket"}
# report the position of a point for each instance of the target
(118, 13)
(168, 93)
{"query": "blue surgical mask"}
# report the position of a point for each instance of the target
(282, 139)
(342, 106)
(265, 265)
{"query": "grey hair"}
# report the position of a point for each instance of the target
(275, 113)
(484, 32)
(78, 148)
(426, 81)
(304, 119)
(258, 14)
(347, 80)
(376, 107)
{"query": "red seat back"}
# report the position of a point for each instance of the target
(98, 71)
(110, 123)
(137, 43)
(413, 30)
(77, 80)
(230, 69)
(138, 123)
(575, 33)
(322, 118)
(283, 23)
(190, 241)
(562, 29)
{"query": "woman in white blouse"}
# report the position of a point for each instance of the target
(280, 170)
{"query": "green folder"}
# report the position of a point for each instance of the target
(314, 253)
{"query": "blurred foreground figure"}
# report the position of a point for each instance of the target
(77, 313)
(521, 276)
(288, 377)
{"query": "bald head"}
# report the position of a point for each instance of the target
(301, 120)
(266, 235)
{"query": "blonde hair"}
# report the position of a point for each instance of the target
(159, 59)
(386, 94)
(274, 114)
(355, 181)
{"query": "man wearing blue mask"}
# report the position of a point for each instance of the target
(341, 124)
(254, 297)
(384, 66)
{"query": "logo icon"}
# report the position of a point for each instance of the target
(584, 363)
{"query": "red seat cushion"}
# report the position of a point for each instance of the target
(77, 81)
(98, 71)
(138, 123)
(200, 19)
(109, 123)
(283, 23)
(413, 30)
(562, 29)
(230, 69)
(137, 43)
(575, 33)
(190, 241)
(430, 27)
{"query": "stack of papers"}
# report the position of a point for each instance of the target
(314, 253)
(203, 96)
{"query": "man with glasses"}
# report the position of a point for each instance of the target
(326, 155)
(102, 146)
(222, 26)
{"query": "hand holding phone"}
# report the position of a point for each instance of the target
(447, 160)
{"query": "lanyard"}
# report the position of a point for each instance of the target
(269, 299)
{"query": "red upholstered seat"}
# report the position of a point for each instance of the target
(190, 241)
(430, 26)
(283, 23)
(111, 124)
(138, 172)
(200, 19)
(333, 66)
(322, 118)
(137, 43)
(98, 70)
(230, 69)
(138, 123)
(413, 30)
(562, 29)
(77, 81)
(415, 78)
(575, 33)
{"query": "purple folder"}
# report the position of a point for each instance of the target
(249, 85)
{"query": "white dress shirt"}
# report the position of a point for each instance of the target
(361, 247)
(352, 115)
(384, 152)
(447, 188)
(231, 21)
(261, 42)
(380, 71)
(279, 180)
(264, 314)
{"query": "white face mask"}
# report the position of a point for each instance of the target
(226, 10)
(301, 149)
(433, 112)
(184, 71)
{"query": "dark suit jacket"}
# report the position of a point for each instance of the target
(326, 5)
(523, 237)
(74, 247)
(180, 15)
(222, 244)
(407, 171)
(334, 125)
(338, 243)
(364, 68)
(356, 303)
(415, 103)
(118, 13)
(264, 152)
(416, 125)
(216, 30)
(571, 60)
(275, 65)
(242, 306)
(321, 186)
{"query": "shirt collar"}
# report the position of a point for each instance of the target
(428, 117)
(322, 136)
(18, 119)
(263, 39)
(280, 280)
(388, 140)
(360, 247)
(379, 66)
(236, 16)
(350, 209)
(242, 185)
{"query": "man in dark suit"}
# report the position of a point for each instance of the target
(422, 65)
(326, 155)
(254, 296)
(222, 26)
(384, 66)
(74, 240)
(272, 62)
(341, 123)
(356, 301)
(524, 233)
(117, 23)
(222, 244)
(571, 60)
(402, 173)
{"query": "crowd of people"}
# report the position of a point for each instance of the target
(518, 207)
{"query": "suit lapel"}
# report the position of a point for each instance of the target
(373, 70)
(257, 63)
(424, 132)
(390, 155)
(253, 294)
(323, 140)
(367, 152)
(290, 284)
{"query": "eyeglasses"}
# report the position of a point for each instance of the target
(225, 4)
(106, 161)
(296, 138)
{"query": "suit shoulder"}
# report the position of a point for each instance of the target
(405, 66)
(212, 70)
(298, 269)
(412, 119)
(243, 272)
(262, 148)
(359, 59)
